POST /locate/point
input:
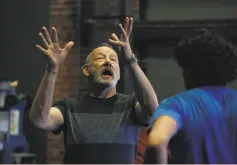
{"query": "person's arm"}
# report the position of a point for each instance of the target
(42, 114)
(145, 94)
(162, 131)
(165, 123)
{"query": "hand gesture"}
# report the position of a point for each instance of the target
(53, 51)
(124, 38)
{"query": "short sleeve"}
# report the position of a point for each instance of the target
(61, 105)
(168, 107)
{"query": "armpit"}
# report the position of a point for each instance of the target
(141, 114)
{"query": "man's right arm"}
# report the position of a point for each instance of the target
(42, 114)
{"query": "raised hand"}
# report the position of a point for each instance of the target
(128, 22)
(124, 38)
(52, 50)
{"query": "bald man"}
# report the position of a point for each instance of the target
(101, 127)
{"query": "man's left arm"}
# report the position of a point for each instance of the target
(145, 94)
(146, 97)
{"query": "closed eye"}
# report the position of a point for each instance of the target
(99, 58)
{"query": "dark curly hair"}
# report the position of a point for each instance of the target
(207, 56)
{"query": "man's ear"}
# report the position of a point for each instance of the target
(85, 70)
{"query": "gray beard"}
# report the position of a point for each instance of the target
(109, 82)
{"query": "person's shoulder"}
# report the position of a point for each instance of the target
(73, 103)
(125, 97)
(181, 99)
(230, 91)
(77, 97)
(72, 99)
(179, 96)
(188, 94)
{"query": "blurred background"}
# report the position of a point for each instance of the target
(159, 24)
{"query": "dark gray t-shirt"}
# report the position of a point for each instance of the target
(99, 131)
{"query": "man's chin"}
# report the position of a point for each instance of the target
(107, 77)
(107, 82)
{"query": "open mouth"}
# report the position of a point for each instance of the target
(107, 73)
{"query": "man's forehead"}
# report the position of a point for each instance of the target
(103, 50)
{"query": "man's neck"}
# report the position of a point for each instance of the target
(101, 91)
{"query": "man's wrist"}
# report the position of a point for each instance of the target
(51, 69)
(132, 59)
